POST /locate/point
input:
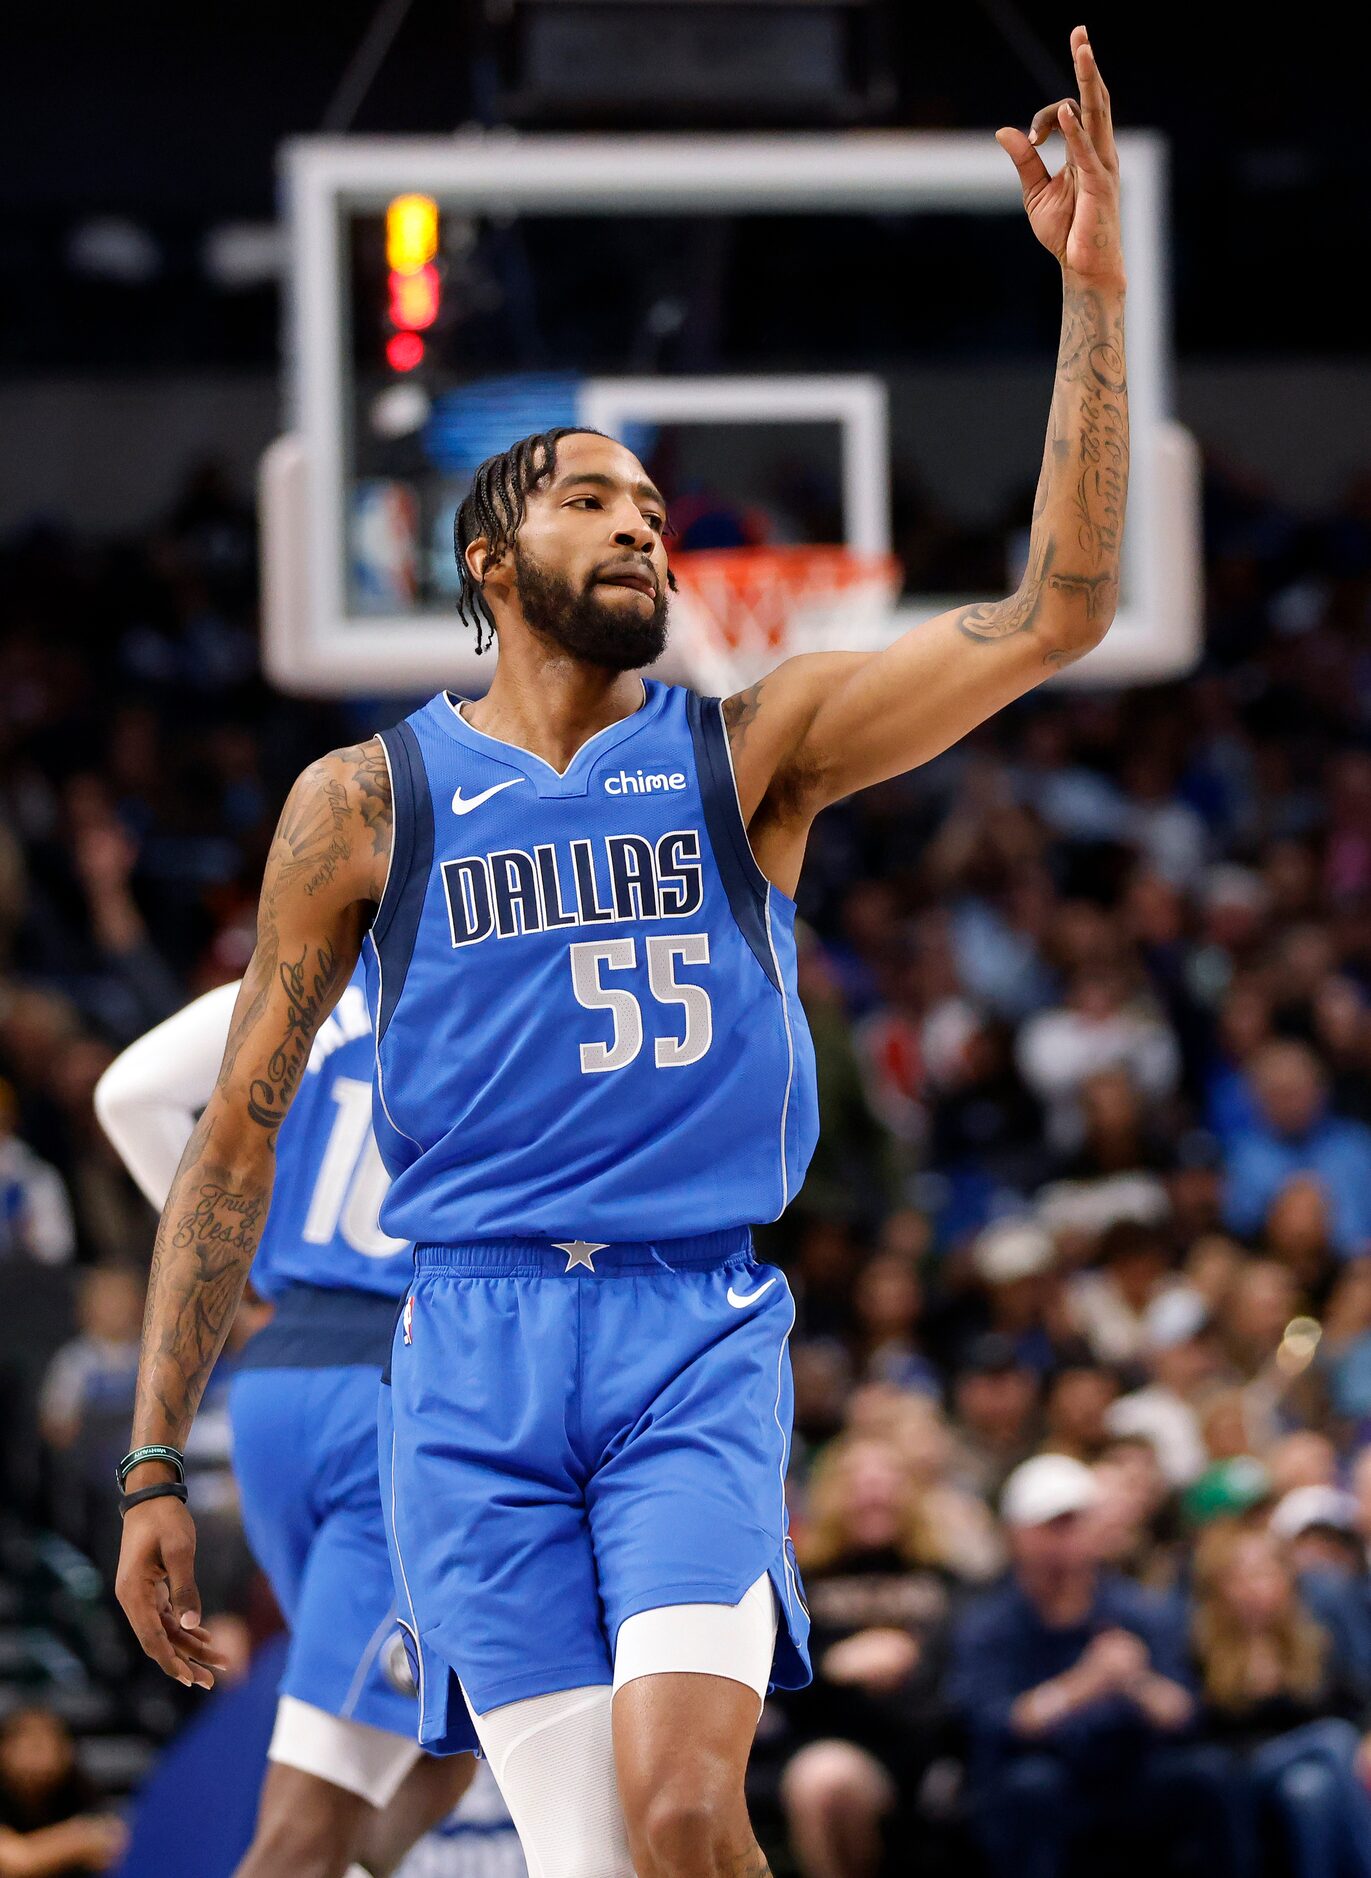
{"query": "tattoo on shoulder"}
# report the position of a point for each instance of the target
(371, 780)
(318, 825)
(314, 829)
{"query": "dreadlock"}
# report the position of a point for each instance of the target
(494, 507)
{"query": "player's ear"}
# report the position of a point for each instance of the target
(477, 558)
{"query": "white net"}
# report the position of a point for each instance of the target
(740, 611)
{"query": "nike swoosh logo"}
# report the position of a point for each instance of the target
(463, 805)
(741, 1303)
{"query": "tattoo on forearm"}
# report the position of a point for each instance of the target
(214, 1217)
(1078, 511)
(307, 983)
(218, 1216)
(750, 1864)
(212, 1224)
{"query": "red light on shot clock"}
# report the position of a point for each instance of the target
(414, 298)
(404, 351)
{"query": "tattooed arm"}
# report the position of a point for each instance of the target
(324, 876)
(823, 725)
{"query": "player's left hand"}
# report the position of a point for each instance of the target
(1074, 214)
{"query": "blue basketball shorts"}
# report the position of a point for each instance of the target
(304, 1451)
(574, 1436)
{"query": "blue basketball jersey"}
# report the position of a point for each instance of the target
(323, 1229)
(587, 1020)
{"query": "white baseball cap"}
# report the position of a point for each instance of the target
(1304, 1507)
(1045, 1488)
(1174, 1317)
(1014, 1249)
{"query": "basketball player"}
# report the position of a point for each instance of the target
(347, 1789)
(592, 1075)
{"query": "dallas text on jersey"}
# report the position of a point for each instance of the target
(511, 891)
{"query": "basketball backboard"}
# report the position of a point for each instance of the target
(757, 315)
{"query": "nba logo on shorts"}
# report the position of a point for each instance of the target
(407, 1319)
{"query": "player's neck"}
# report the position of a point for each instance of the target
(549, 704)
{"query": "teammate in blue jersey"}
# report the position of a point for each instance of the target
(593, 1074)
(348, 1790)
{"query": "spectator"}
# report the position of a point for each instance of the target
(879, 1582)
(49, 1825)
(915, 1430)
(1258, 1310)
(1239, 1489)
(1110, 1304)
(985, 1119)
(1346, 1346)
(1230, 1426)
(1295, 1133)
(1361, 1493)
(35, 1213)
(889, 1304)
(1014, 1262)
(1319, 1525)
(1103, 1025)
(1275, 1690)
(86, 1403)
(1117, 1136)
(1136, 1525)
(1182, 1357)
(995, 1400)
(1169, 833)
(1072, 1685)
(1304, 1458)
(1297, 1235)
(1212, 1267)
(1080, 1394)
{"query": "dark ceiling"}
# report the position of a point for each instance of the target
(171, 115)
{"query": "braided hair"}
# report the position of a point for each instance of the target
(494, 507)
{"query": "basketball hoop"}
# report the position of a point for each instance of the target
(740, 611)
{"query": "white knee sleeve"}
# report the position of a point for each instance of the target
(553, 1760)
(368, 1761)
(737, 1641)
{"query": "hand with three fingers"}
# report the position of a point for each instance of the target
(1074, 214)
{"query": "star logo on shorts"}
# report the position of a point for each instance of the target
(578, 1252)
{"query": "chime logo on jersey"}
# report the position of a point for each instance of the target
(576, 883)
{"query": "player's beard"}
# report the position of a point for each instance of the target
(583, 622)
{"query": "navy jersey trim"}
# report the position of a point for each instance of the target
(396, 927)
(744, 882)
(313, 1327)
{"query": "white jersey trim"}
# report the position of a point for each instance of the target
(792, 1582)
(380, 969)
(790, 1064)
(413, 1625)
(769, 888)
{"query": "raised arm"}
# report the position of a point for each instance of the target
(324, 875)
(825, 724)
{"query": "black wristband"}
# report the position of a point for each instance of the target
(154, 1451)
(164, 1490)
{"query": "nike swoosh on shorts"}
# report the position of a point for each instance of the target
(751, 1297)
(463, 805)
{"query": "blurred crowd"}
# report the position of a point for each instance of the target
(1081, 1484)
